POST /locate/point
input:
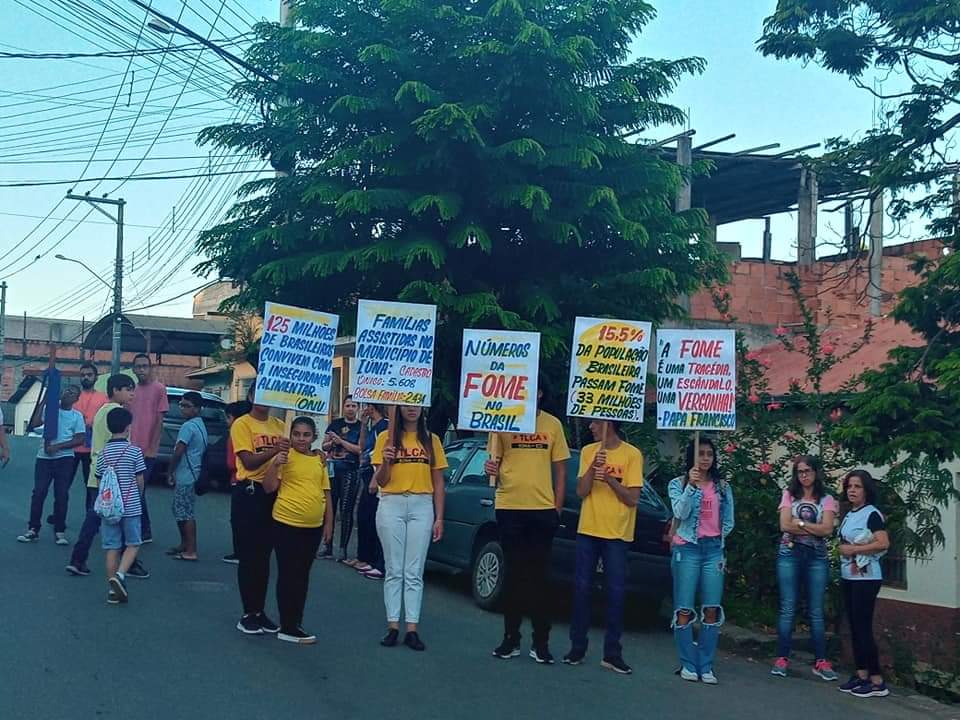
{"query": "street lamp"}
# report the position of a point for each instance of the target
(90, 270)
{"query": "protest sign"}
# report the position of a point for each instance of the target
(608, 369)
(696, 380)
(498, 381)
(395, 352)
(295, 370)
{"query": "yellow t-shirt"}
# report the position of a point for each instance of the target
(526, 465)
(602, 514)
(411, 470)
(248, 433)
(101, 433)
(300, 500)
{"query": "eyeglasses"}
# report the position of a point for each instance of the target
(805, 471)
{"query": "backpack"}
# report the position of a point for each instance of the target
(109, 502)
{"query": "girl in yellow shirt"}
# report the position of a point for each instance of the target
(302, 517)
(409, 463)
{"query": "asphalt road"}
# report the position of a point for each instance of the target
(173, 652)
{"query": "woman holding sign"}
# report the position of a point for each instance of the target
(703, 504)
(302, 517)
(409, 463)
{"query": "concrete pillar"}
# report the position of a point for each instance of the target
(767, 240)
(851, 239)
(874, 288)
(807, 218)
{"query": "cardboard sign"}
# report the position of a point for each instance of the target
(696, 380)
(395, 352)
(295, 370)
(498, 381)
(608, 369)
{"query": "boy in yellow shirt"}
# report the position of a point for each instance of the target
(609, 481)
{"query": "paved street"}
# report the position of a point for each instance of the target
(173, 651)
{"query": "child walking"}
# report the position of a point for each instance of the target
(127, 462)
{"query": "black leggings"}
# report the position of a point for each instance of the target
(296, 548)
(860, 597)
(350, 480)
(254, 526)
(368, 542)
(526, 537)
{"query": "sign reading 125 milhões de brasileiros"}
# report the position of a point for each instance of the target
(295, 370)
(498, 381)
(395, 352)
(696, 380)
(608, 369)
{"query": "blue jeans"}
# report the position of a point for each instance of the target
(808, 564)
(89, 530)
(119, 536)
(614, 554)
(697, 567)
(59, 473)
(151, 464)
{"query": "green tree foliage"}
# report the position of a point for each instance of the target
(908, 408)
(476, 155)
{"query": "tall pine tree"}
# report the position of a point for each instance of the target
(474, 154)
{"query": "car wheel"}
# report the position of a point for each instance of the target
(486, 576)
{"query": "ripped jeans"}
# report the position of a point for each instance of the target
(696, 567)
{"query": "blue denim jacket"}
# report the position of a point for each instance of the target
(686, 508)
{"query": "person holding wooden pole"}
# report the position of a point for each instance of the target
(531, 476)
(703, 504)
(609, 481)
(257, 438)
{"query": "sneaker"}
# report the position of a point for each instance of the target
(231, 559)
(507, 649)
(78, 569)
(326, 553)
(390, 639)
(780, 666)
(542, 655)
(147, 540)
(616, 664)
(412, 640)
(574, 657)
(249, 625)
(137, 570)
(297, 635)
(61, 539)
(689, 675)
(112, 598)
(852, 684)
(868, 689)
(29, 536)
(824, 670)
(373, 574)
(708, 678)
(268, 625)
(119, 588)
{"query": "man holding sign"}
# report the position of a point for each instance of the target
(531, 477)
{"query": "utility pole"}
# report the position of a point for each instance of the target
(117, 270)
(3, 327)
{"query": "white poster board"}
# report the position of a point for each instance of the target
(696, 380)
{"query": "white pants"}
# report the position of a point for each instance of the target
(405, 527)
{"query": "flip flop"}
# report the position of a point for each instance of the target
(173, 551)
(362, 567)
(181, 556)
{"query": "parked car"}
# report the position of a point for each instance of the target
(471, 544)
(215, 419)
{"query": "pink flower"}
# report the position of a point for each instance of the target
(775, 406)
(730, 448)
(828, 349)
(836, 414)
(753, 397)
(781, 331)
(753, 355)
(819, 428)
(766, 362)
(765, 468)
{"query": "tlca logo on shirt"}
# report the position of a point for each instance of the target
(531, 441)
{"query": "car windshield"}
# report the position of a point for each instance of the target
(211, 412)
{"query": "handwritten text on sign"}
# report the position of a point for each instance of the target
(696, 380)
(295, 370)
(395, 352)
(608, 369)
(498, 381)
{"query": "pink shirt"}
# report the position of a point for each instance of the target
(148, 407)
(709, 512)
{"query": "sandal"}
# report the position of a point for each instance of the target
(362, 567)
(181, 556)
(352, 562)
(174, 551)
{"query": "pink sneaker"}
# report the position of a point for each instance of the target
(824, 670)
(780, 666)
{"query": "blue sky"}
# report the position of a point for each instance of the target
(761, 100)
